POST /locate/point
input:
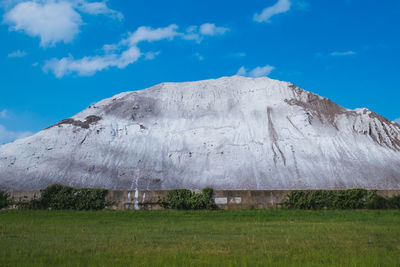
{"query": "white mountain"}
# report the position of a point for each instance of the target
(228, 133)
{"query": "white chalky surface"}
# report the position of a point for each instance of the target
(227, 133)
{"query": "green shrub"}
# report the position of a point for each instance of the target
(61, 197)
(375, 201)
(350, 199)
(184, 199)
(33, 204)
(4, 199)
(178, 199)
(340, 199)
(394, 202)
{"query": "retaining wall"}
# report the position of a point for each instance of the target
(225, 199)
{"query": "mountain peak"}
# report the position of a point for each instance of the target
(227, 133)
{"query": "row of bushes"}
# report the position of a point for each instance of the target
(5, 200)
(184, 199)
(340, 199)
(61, 197)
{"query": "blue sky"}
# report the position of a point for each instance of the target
(58, 57)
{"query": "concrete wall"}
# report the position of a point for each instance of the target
(225, 199)
(24, 195)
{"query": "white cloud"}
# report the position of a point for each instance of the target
(242, 71)
(151, 55)
(211, 29)
(148, 34)
(345, 53)
(52, 21)
(8, 136)
(117, 55)
(192, 34)
(197, 33)
(17, 53)
(261, 71)
(4, 113)
(98, 8)
(256, 72)
(397, 120)
(335, 54)
(88, 66)
(281, 6)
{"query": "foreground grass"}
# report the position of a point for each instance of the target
(219, 238)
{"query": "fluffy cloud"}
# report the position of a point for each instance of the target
(17, 53)
(117, 55)
(53, 21)
(242, 71)
(345, 53)
(197, 33)
(211, 29)
(87, 66)
(148, 34)
(98, 8)
(256, 72)
(8, 136)
(151, 55)
(281, 6)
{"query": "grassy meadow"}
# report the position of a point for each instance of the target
(199, 238)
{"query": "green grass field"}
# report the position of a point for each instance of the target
(218, 238)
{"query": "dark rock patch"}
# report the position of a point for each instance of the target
(92, 119)
(323, 109)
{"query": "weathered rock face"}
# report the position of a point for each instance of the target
(228, 133)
